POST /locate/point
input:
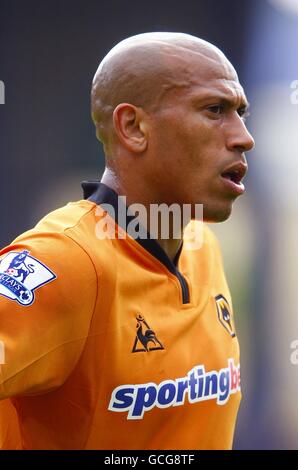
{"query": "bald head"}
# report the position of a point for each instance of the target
(143, 69)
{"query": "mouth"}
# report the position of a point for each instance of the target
(233, 177)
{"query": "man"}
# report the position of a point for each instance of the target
(115, 341)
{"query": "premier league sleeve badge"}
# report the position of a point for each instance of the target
(20, 275)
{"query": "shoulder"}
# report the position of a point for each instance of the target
(51, 249)
(54, 232)
(66, 218)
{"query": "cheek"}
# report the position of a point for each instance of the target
(176, 143)
(185, 146)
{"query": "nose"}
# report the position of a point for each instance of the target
(238, 137)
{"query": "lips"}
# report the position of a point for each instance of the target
(233, 175)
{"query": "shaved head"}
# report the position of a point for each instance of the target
(170, 112)
(143, 69)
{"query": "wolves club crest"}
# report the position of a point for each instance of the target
(20, 275)
(224, 314)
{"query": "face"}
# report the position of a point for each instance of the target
(198, 138)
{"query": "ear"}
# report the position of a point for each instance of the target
(130, 127)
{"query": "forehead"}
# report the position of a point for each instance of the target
(218, 89)
(204, 75)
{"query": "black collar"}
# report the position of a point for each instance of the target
(101, 194)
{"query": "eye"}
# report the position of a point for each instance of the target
(216, 109)
(243, 112)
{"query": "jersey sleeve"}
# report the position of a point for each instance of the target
(48, 291)
(10, 435)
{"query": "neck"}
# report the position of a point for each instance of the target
(170, 245)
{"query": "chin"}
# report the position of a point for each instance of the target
(217, 214)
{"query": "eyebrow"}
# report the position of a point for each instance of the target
(230, 102)
(223, 99)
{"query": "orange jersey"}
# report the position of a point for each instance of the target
(110, 345)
